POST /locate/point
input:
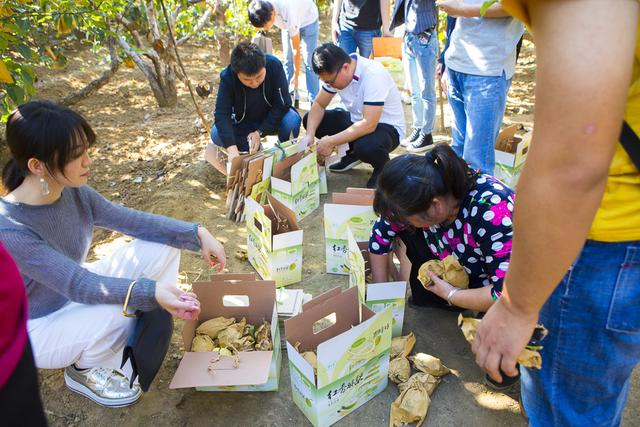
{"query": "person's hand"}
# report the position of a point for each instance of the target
(444, 82)
(450, 7)
(253, 139)
(335, 32)
(212, 250)
(439, 286)
(307, 140)
(325, 147)
(182, 305)
(387, 33)
(232, 153)
(439, 69)
(503, 333)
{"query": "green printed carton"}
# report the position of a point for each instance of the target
(254, 300)
(274, 241)
(352, 355)
(296, 183)
(354, 210)
(377, 296)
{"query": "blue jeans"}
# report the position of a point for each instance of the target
(290, 125)
(308, 43)
(478, 104)
(593, 318)
(420, 59)
(351, 39)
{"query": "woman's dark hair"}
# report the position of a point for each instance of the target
(247, 58)
(43, 130)
(260, 12)
(328, 58)
(408, 183)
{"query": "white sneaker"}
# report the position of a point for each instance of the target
(413, 136)
(105, 386)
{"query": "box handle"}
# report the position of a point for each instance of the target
(325, 323)
(236, 301)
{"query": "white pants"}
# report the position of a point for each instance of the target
(95, 335)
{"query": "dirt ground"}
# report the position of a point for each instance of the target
(151, 159)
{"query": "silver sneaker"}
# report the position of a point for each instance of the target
(105, 386)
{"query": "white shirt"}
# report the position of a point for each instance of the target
(291, 15)
(372, 85)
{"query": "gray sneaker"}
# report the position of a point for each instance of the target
(105, 386)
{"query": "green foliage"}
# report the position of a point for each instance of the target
(486, 5)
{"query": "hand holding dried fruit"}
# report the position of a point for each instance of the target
(448, 269)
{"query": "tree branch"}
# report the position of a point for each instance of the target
(201, 23)
(132, 30)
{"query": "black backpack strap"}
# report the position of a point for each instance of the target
(631, 143)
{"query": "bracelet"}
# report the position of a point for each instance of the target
(125, 313)
(452, 292)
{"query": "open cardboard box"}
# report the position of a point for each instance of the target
(353, 209)
(377, 296)
(296, 183)
(258, 370)
(509, 163)
(352, 352)
(275, 255)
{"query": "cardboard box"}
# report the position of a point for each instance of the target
(352, 209)
(296, 183)
(377, 296)
(353, 355)
(509, 164)
(258, 370)
(275, 255)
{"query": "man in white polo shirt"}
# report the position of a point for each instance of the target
(298, 20)
(374, 121)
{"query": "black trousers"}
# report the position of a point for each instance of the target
(373, 148)
(20, 403)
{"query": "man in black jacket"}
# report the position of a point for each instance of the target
(252, 101)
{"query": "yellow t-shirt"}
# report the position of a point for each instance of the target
(618, 217)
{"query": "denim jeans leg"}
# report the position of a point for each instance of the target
(485, 99)
(287, 51)
(364, 40)
(290, 125)
(456, 101)
(346, 40)
(215, 136)
(309, 42)
(593, 343)
(426, 54)
(417, 107)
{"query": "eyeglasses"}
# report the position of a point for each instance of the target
(335, 77)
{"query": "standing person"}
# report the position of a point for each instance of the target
(297, 20)
(20, 402)
(575, 264)
(374, 120)
(355, 23)
(420, 49)
(481, 60)
(47, 222)
(252, 102)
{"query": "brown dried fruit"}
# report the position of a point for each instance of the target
(263, 337)
(428, 381)
(429, 364)
(399, 370)
(202, 344)
(435, 266)
(245, 343)
(402, 346)
(232, 333)
(212, 327)
(410, 407)
(454, 272)
(241, 254)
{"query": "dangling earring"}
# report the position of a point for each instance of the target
(44, 187)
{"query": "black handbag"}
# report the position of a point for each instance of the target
(148, 345)
(631, 143)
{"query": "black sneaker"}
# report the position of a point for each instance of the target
(423, 143)
(373, 180)
(348, 162)
(413, 136)
(508, 383)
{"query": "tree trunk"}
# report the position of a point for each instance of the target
(224, 47)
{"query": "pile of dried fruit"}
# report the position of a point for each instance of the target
(228, 337)
(415, 390)
(448, 269)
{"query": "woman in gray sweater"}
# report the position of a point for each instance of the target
(47, 222)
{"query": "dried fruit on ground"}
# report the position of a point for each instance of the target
(212, 327)
(429, 364)
(402, 346)
(202, 343)
(428, 381)
(410, 407)
(399, 370)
